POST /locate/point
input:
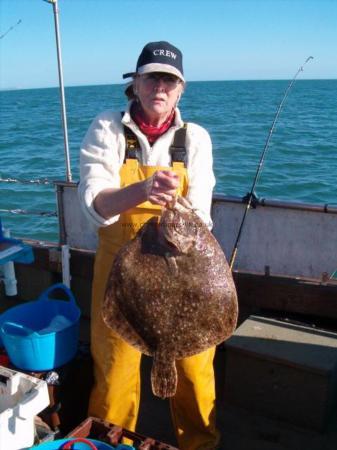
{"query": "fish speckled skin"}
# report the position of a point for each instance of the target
(170, 293)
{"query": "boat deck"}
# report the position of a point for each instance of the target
(258, 293)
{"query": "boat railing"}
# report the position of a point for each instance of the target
(288, 238)
(300, 206)
(280, 237)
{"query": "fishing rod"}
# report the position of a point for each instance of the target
(251, 195)
(11, 28)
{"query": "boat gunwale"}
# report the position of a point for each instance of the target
(275, 203)
(295, 205)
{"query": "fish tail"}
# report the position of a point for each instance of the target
(164, 376)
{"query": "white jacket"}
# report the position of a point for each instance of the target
(103, 150)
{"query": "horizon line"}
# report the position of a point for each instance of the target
(190, 81)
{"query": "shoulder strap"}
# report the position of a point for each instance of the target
(178, 146)
(132, 147)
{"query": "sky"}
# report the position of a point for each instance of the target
(220, 39)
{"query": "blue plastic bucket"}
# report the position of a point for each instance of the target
(59, 443)
(42, 334)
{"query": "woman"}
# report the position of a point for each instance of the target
(132, 164)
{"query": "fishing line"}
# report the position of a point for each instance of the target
(11, 28)
(251, 195)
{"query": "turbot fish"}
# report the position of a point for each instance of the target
(171, 293)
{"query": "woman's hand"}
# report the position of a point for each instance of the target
(161, 187)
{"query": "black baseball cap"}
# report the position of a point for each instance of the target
(159, 57)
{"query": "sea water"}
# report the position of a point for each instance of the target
(300, 165)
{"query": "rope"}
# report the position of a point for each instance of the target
(21, 181)
(31, 212)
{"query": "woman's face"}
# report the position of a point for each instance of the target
(158, 94)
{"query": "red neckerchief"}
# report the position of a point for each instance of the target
(152, 133)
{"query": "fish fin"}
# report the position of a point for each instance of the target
(114, 318)
(164, 376)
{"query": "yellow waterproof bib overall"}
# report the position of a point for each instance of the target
(115, 396)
